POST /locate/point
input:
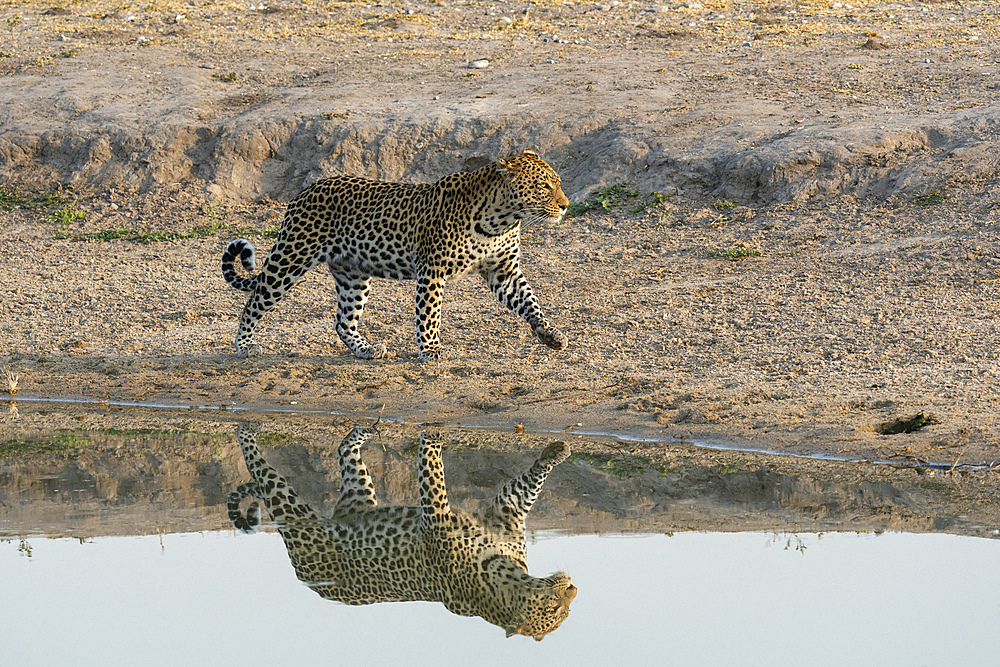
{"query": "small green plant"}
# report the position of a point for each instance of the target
(229, 77)
(905, 424)
(929, 199)
(66, 216)
(13, 22)
(656, 200)
(734, 253)
(723, 205)
(69, 53)
(605, 198)
(855, 66)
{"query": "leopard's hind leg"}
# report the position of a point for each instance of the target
(291, 257)
(273, 490)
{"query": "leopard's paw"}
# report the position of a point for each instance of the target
(435, 353)
(553, 338)
(248, 349)
(376, 351)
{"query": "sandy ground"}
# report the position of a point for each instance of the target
(812, 252)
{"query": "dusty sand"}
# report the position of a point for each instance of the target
(862, 181)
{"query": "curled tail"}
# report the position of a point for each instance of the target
(249, 523)
(244, 250)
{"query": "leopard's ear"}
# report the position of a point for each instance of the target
(505, 166)
(528, 151)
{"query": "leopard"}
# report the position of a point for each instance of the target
(475, 563)
(430, 233)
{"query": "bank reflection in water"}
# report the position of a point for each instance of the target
(476, 564)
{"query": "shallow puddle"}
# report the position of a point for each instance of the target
(116, 540)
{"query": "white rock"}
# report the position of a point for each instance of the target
(482, 63)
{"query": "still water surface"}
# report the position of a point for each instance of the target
(694, 598)
(112, 551)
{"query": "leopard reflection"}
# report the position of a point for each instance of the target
(365, 553)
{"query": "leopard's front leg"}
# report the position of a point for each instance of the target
(430, 288)
(513, 291)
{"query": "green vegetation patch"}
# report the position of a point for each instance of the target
(905, 424)
(930, 198)
(63, 440)
(933, 485)
(625, 466)
(734, 253)
(11, 199)
(655, 200)
(605, 199)
(733, 465)
(275, 440)
(66, 216)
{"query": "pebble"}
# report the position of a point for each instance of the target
(692, 5)
(207, 66)
(482, 63)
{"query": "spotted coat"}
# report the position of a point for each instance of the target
(429, 233)
(365, 553)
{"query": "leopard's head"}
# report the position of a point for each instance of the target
(547, 607)
(535, 191)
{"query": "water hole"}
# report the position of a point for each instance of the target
(114, 537)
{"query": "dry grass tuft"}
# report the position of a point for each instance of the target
(11, 381)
